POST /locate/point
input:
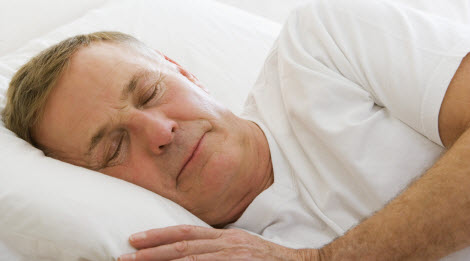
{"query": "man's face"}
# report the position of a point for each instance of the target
(145, 120)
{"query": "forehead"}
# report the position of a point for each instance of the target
(85, 95)
(111, 59)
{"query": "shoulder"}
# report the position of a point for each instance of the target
(454, 115)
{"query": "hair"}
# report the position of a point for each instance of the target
(30, 86)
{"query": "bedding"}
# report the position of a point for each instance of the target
(51, 210)
(23, 20)
(275, 10)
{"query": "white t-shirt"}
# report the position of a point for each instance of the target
(349, 99)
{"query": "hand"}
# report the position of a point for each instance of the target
(199, 243)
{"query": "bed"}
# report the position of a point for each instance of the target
(51, 210)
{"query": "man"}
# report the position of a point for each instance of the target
(354, 103)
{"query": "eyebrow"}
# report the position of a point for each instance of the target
(129, 88)
(133, 82)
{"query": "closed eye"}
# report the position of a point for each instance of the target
(150, 95)
(153, 92)
(117, 152)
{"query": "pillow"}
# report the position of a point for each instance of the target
(52, 210)
(275, 10)
(33, 18)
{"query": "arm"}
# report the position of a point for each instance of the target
(431, 218)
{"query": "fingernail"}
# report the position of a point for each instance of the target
(127, 257)
(138, 236)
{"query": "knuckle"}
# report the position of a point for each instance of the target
(190, 258)
(142, 255)
(186, 229)
(181, 246)
(219, 233)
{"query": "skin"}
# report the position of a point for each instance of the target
(157, 133)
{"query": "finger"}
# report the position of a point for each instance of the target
(168, 235)
(178, 250)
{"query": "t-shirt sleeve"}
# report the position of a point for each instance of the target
(403, 57)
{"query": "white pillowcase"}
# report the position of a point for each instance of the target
(52, 210)
(29, 19)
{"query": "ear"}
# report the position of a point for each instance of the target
(186, 73)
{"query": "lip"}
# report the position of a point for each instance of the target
(195, 151)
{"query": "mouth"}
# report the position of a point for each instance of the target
(195, 151)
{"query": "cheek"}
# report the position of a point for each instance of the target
(143, 173)
(222, 172)
(122, 172)
(189, 102)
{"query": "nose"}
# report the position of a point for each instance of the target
(152, 130)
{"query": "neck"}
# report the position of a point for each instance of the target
(264, 162)
(261, 169)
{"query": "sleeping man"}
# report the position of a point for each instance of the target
(353, 145)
